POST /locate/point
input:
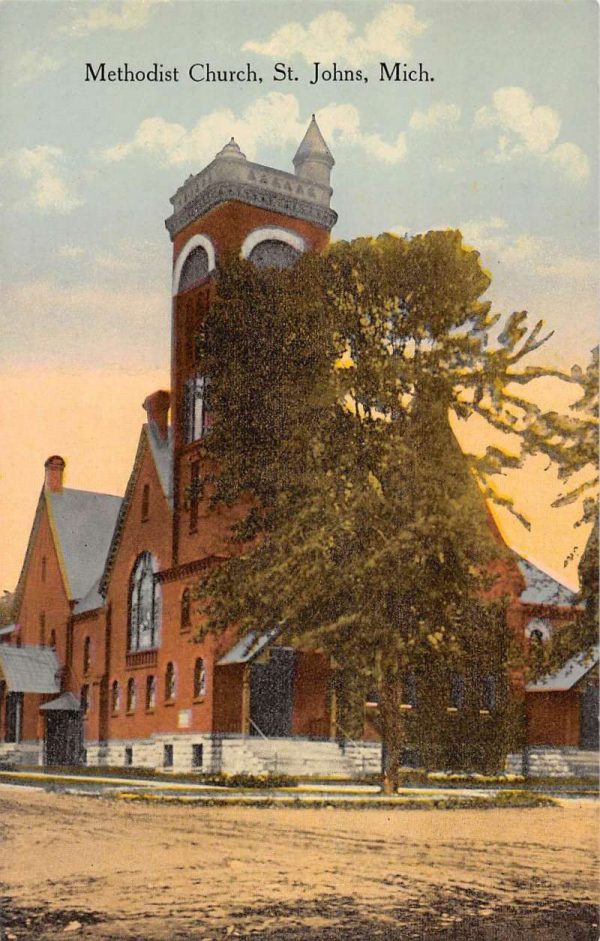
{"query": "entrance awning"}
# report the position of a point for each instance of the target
(65, 703)
(30, 669)
(248, 647)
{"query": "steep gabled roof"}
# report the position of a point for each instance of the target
(82, 524)
(162, 455)
(541, 588)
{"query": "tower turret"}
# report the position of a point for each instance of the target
(313, 160)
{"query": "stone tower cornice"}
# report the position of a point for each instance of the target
(231, 177)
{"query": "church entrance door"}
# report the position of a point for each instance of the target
(271, 693)
(64, 738)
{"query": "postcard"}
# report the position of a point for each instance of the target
(298, 486)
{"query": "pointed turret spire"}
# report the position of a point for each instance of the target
(231, 151)
(313, 160)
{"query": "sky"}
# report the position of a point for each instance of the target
(501, 144)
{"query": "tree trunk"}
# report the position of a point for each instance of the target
(392, 732)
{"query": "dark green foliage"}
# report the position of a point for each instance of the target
(332, 385)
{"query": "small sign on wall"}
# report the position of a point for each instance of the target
(184, 719)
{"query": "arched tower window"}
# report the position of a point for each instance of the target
(273, 253)
(144, 604)
(85, 699)
(186, 614)
(195, 269)
(170, 682)
(53, 639)
(199, 678)
(131, 695)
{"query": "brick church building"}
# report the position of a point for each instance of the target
(105, 662)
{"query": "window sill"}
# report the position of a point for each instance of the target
(406, 707)
(150, 710)
(169, 702)
(130, 712)
(484, 712)
(451, 708)
(186, 629)
(198, 700)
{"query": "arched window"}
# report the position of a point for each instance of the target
(145, 502)
(170, 682)
(85, 699)
(43, 568)
(150, 692)
(186, 614)
(87, 655)
(196, 417)
(488, 692)
(199, 678)
(457, 691)
(273, 253)
(409, 690)
(538, 631)
(195, 269)
(42, 629)
(53, 639)
(144, 604)
(131, 695)
(115, 696)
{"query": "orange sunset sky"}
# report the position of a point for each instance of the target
(500, 143)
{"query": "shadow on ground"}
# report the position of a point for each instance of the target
(329, 918)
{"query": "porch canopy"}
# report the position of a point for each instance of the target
(30, 669)
(65, 703)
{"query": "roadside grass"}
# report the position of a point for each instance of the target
(430, 780)
(507, 799)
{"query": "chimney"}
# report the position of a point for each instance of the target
(157, 408)
(54, 474)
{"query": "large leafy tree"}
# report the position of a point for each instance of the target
(331, 388)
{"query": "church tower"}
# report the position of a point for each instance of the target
(268, 216)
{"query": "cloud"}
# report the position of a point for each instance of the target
(533, 127)
(130, 15)
(45, 167)
(527, 128)
(332, 37)
(33, 64)
(439, 114)
(572, 160)
(271, 120)
(70, 251)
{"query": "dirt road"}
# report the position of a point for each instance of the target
(93, 868)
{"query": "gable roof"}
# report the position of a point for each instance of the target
(30, 669)
(162, 456)
(566, 678)
(541, 588)
(82, 524)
